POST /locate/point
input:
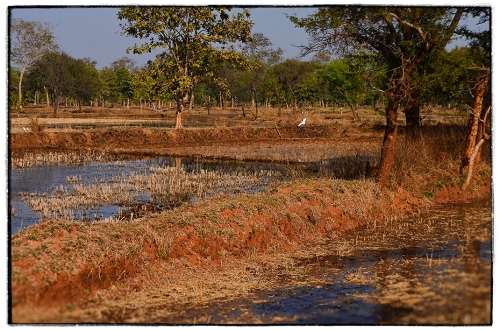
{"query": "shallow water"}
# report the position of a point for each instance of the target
(46, 181)
(442, 277)
(31, 188)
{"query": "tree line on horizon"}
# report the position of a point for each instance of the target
(395, 58)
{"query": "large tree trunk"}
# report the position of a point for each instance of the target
(483, 122)
(47, 96)
(473, 124)
(56, 105)
(389, 142)
(20, 87)
(412, 114)
(475, 156)
(181, 104)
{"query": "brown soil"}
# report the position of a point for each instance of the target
(171, 142)
(64, 272)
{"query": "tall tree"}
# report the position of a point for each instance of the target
(29, 41)
(194, 38)
(85, 80)
(259, 50)
(402, 36)
(55, 72)
(291, 73)
(480, 89)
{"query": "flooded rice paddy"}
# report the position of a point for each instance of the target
(121, 190)
(74, 187)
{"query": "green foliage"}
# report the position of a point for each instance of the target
(292, 75)
(189, 35)
(14, 100)
(395, 34)
(59, 73)
(107, 87)
(450, 76)
(85, 80)
(123, 83)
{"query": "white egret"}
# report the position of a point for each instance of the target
(303, 122)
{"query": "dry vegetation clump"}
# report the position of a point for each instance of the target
(35, 125)
(430, 164)
(61, 263)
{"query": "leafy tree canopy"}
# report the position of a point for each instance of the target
(196, 39)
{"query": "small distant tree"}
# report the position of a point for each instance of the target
(291, 74)
(107, 89)
(123, 84)
(13, 89)
(124, 62)
(344, 83)
(272, 90)
(29, 41)
(194, 38)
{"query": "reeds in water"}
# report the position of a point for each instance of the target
(56, 158)
(160, 184)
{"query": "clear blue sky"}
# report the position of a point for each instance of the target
(94, 32)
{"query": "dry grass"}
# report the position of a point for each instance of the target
(60, 158)
(169, 185)
(221, 232)
(35, 125)
(433, 161)
(166, 289)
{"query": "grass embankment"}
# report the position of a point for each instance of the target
(64, 265)
(65, 271)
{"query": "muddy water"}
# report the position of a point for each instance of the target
(432, 270)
